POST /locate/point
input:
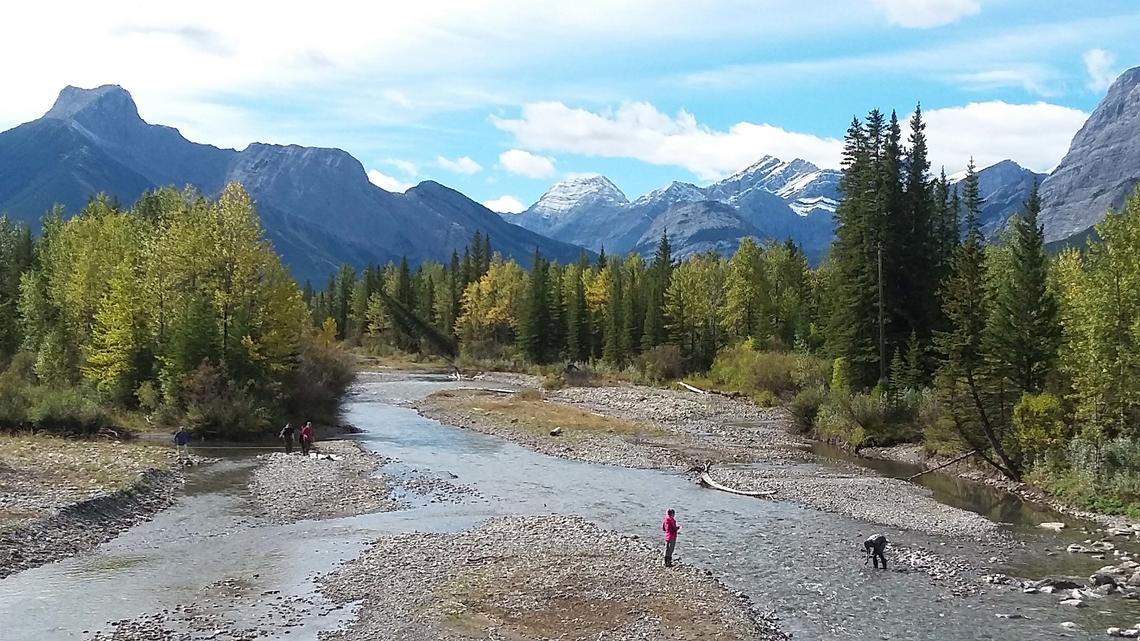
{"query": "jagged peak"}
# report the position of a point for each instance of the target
(110, 100)
(573, 190)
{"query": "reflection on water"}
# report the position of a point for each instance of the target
(804, 564)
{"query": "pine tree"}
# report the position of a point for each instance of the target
(576, 313)
(555, 330)
(1024, 330)
(535, 319)
(963, 375)
(612, 349)
(653, 331)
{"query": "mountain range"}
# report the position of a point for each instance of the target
(316, 205)
(769, 199)
(320, 210)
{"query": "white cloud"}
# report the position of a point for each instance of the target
(408, 167)
(1100, 66)
(505, 205)
(524, 163)
(388, 183)
(1036, 136)
(461, 165)
(924, 14)
(639, 130)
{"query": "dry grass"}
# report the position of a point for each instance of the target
(38, 473)
(527, 411)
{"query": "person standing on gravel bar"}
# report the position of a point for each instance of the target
(287, 436)
(670, 527)
(306, 438)
(874, 546)
(182, 442)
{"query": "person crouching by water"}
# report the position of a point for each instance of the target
(670, 527)
(875, 545)
(182, 442)
(287, 436)
(306, 438)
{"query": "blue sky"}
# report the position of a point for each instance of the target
(500, 99)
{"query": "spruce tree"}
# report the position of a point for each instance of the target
(1024, 330)
(657, 283)
(536, 314)
(964, 380)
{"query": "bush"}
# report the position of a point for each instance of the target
(529, 394)
(742, 370)
(662, 363)
(324, 374)
(1039, 422)
(215, 407)
(805, 407)
(873, 419)
(1093, 472)
(66, 409)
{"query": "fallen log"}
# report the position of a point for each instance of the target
(691, 388)
(947, 464)
(707, 481)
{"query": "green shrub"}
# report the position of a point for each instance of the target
(552, 381)
(811, 372)
(148, 396)
(872, 419)
(805, 407)
(662, 363)
(742, 370)
(66, 409)
(215, 407)
(1039, 422)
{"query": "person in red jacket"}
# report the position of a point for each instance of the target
(306, 438)
(670, 527)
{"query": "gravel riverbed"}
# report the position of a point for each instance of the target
(338, 479)
(750, 447)
(537, 577)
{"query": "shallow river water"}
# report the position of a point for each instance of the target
(803, 564)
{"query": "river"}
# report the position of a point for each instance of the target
(805, 565)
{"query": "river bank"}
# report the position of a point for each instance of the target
(61, 497)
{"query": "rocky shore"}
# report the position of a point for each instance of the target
(521, 578)
(338, 479)
(81, 526)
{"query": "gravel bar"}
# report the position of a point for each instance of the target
(338, 479)
(535, 577)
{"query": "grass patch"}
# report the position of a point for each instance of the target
(90, 466)
(527, 411)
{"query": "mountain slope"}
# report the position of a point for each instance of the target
(1102, 166)
(317, 205)
(1004, 188)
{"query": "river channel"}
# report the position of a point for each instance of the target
(804, 564)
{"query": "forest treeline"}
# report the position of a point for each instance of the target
(176, 311)
(912, 330)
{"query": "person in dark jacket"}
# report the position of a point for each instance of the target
(182, 442)
(875, 545)
(287, 436)
(670, 527)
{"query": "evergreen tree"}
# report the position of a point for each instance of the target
(657, 283)
(1024, 330)
(964, 380)
(535, 321)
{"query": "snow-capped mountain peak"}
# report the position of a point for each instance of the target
(577, 191)
(674, 192)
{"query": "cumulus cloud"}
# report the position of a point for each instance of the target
(1100, 66)
(408, 167)
(1036, 135)
(388, 183)
(524, 163)
(505, 205)
(924, 14)
(461, 165)
(639, 130)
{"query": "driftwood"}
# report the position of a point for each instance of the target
(707, 481)
(691, 388)
(948, 464)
